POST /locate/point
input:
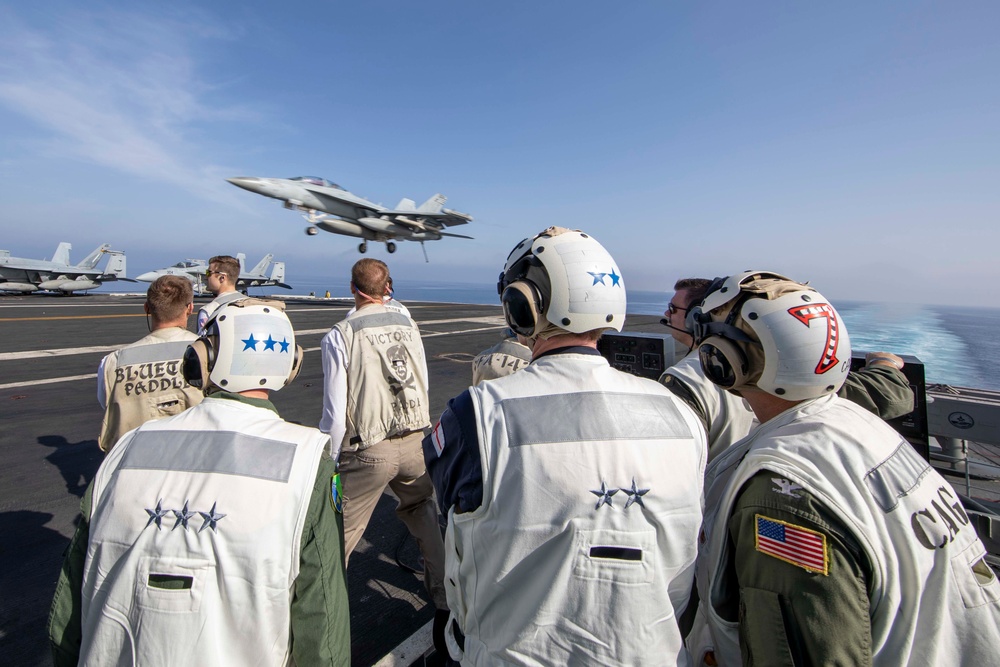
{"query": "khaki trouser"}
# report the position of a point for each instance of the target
(396, 462)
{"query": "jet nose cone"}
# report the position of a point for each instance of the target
(147, 277)
(246, 182)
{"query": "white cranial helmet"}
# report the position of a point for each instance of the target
(248, 344)
(563, 278)
(773, 333)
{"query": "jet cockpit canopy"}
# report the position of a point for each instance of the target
(316, 180)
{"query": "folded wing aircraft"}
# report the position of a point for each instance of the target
(21, 275)
(329, 207)
(194, 270)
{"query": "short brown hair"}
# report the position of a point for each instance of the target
(370, 276)
(227, 265)
(168, 298)
(697, 288)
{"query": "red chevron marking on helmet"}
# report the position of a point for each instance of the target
(806, 314)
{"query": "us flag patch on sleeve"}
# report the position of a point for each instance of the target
(793, 544)
(437, 437)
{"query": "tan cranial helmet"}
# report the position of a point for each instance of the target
(761, 329)
(248, 344)
(561, 280)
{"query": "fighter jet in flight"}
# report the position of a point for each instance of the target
(329, 207)
(24, 276)
(194, 270)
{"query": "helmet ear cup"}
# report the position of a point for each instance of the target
(296, 365)
(522, 306)
(198, 362)
(724, 363)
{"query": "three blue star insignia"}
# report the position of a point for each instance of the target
(269, 344)
(211, 518)
(604, 496)
(599, 277)
(635, 495)
(156, 516)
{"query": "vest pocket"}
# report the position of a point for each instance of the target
(615, 556)
(167, 405)
(171, 584)
(974, 577)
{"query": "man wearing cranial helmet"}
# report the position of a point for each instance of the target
(212, 537)
(573, 491)
(827, 539)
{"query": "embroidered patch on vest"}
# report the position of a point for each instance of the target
(181, 517)
(635, 495)
(604, 496)
(336, 493)
(793, 544)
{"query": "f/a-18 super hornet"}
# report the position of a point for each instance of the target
(18, 274)
(194, 270)
(329, 207)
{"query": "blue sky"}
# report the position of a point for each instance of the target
(855, 145)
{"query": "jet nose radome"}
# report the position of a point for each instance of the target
(147, 277)
(250, 183)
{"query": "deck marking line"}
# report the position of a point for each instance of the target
(68, 317)
(406, 653)
(32, 383)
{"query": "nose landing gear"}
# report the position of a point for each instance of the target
(390, 246)
(363, 247)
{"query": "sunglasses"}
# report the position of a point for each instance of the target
(209, 272)
(672, 308)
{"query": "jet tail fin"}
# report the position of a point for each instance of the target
(262, 265)
(91, 260)
(433, 205)
(406, 205)
(61, 255)
(278, 273)
(242, 259)
(116, 265)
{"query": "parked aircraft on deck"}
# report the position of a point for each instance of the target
(194, 270)
(18, 274)
(329, 207)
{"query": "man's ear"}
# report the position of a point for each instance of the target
(353, 288)
(190, 309)
(145, 307)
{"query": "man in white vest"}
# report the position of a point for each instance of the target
(375, 410)
(212, 537)
(221, 276)
(828, 540)
(573, 491)
(143, 381)
(880, 387)
(508, 356)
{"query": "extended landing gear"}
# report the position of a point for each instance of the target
(363, 247)
(390, 246)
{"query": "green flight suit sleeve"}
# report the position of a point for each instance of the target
(880, 389)
(790, 615)
(321, 619)
(65, 633)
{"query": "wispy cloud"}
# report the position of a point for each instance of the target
(119, 89)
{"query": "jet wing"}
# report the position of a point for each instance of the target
(446, 217)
